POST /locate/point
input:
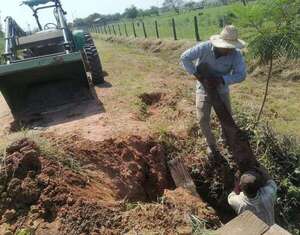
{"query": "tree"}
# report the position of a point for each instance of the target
(225, 2)
(244, 2)
(190, 5)
(276, 32)
(131, 12)
(79, 22)
(154, 10)
(173, 4)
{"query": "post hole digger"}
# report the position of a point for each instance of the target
(49, 68)
(237, 142)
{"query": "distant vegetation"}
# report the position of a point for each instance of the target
(168, 7)
(210, 21)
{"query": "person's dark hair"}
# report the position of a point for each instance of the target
(250, 184)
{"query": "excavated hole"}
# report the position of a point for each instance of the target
(110, 179)
(136, 166)
(151, 98)
(214, 183)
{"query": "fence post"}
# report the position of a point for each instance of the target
(119, 30)
(197, 35)
(174, 29)
(156, 29)
(105, 30)
(144, 29)
(109, 30)
(114, 30)
(125, 28)
(133, 28)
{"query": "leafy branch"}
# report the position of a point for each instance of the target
(275, 33)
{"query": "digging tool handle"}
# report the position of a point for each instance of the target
(238, 143)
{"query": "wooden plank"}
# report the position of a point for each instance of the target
(277, 230)
(245, 224)
(181, 176)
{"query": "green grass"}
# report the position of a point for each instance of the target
(208, 18)
(282, 107)
(281, 110)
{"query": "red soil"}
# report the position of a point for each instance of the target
(109, 187)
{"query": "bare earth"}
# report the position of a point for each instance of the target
(114, 178)
(117, 115)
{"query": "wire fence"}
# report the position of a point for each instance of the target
(189, 28)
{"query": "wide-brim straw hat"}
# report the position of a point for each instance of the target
(228, 38)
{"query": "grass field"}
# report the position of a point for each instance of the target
(208, 21)
(282, 104)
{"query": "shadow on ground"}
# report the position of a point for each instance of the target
(59, 115)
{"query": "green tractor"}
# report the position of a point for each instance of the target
(52, 67)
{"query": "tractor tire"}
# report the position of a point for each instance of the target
(94, 64)
(88, 39)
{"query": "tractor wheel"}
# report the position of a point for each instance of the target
(88, 39)
(94, 63)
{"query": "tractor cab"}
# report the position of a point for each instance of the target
(49, 39)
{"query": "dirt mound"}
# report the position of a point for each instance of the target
(113, 190)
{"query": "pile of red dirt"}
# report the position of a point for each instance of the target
(113, 189)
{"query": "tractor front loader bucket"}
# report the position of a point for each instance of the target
(35, 86)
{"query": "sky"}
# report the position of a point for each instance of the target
(75, 9)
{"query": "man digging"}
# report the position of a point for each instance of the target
(222, 59)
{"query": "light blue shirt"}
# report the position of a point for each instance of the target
(231, 67)
(262, 205)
